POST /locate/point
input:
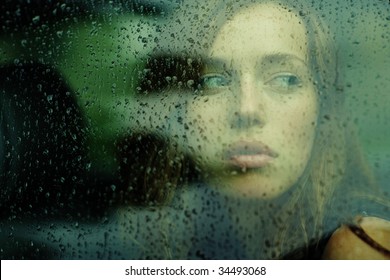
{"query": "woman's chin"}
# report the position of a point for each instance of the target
(249, 186)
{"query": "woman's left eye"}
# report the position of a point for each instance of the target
(284, 82)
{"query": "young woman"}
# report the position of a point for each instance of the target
(248, 128)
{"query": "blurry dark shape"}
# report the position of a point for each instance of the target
(164, 73)
(144, 186)
(142, 7)
(136, 189)
(17, 14)
(42, 138)
(24, 248)
(311, 252)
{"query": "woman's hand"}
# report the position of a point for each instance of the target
(368, 239)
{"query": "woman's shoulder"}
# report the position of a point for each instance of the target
(367, 238)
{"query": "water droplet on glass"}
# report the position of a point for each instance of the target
(36, 19)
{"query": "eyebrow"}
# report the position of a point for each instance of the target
(277, 58)
(282, 57)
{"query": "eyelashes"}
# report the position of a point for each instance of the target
(211, 81)
(283, 83)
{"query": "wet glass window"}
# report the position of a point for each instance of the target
(241, 129)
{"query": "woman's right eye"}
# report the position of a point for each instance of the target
(213, 82)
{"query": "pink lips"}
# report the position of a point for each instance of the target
(249, 155)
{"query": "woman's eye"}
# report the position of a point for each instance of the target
(213, 81)
(284, 82)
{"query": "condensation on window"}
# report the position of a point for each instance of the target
(194, 129)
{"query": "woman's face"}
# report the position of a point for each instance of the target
(251, 124)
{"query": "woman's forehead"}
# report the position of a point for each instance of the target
(261, 30)
(193, 29)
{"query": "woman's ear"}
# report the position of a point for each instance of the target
(369, 240)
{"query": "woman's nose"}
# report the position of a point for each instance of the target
(249, 105)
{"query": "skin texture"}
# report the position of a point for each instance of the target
(256, 88)
(345, 245)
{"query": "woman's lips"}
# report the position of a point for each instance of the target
(249, 155)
